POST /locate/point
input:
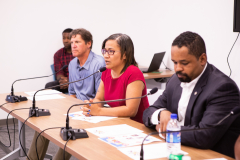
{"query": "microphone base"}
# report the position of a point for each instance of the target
(13, 99)
(76, 133)
(38, 112)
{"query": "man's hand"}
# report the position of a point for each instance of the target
(63, 80)
(237, 148)
(165, 117)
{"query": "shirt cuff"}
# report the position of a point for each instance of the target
(154, 118)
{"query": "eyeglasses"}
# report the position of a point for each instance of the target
(110, 52)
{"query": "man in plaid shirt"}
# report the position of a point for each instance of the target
(62, 57)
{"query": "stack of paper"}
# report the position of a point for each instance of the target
(44, 95)
(93, 119)
(124, 136)
(113, 130)
(121, 135)
(152, 151)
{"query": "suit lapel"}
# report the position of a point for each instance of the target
(176, 97)
(196, 92)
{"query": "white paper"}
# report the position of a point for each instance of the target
(216, 159)
(46, 97)
(44, 92)
(93, 119)
(151, 151)
(127, 140)
(113, 130)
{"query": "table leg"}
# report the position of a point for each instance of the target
(19, 151)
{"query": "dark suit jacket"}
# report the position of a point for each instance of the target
(213, 97)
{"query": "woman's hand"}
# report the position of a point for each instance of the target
(90, 109)
(85, 108)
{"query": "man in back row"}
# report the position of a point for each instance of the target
(84, 64)
(200, 95)
(62, 57)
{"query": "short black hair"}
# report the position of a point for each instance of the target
(68, 30)
(192, 41)
(126, 47)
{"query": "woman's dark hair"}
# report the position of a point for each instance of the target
(126, 47)
(192, 41)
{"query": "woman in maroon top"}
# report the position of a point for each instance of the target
(121, 80)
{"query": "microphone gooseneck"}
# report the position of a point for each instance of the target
(36, 112)
(154, 90)
(235, 111)
(12, 98)
(65, 66)
(63, 132)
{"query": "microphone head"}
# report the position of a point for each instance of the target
(65, 66)
(235, 110)
(154, 90)
(102, 69)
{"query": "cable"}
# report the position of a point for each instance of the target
(11, 132)
(8, 131)
(141, 151)
(229, 54)
(3, 104)
(166, 66)
(39, 135)
(66, 145)
(8, 128)
(20, 135)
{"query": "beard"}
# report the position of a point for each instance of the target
(185, 77)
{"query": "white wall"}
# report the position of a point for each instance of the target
(30, 32)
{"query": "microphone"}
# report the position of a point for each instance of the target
(235, 111)
(35, 112)
(12, 98)
(65, 132)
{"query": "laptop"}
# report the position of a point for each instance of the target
(155, 64)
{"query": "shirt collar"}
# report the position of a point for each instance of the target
(193, 82)
(65, 51)
(87, 63)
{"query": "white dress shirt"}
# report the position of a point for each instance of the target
(187, 89)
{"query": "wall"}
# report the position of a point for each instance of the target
(30, 32)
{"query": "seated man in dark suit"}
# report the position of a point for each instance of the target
(62, 57)
(200, 95)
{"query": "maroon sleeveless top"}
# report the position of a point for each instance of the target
(116, 89)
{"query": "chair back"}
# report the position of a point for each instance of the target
(53, 71)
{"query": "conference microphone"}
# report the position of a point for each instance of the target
(65, 132)
(12, 98)
(234, 111)
(35, 112)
